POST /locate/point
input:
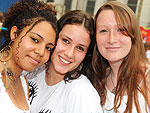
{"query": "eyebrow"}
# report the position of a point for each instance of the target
(71, 40)
(42, 38)
(104, 25)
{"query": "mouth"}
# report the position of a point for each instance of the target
(112, 48)
(34, 60)
(64, 61)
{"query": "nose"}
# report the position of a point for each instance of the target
(40, 50)
(112, 37)
(69, 52)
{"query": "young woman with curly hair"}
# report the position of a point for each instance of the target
(30, 35)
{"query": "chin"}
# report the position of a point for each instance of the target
(29, 69)
(61, 72)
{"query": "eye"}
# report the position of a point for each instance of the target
(80, 48)
(48, 48)
(35, 40)
(103, 31)
(66, 41)
(120, 30)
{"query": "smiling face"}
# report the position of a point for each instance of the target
(72, 46)
(112, 44)
(34, 48)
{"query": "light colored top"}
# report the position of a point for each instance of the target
(148, 54)
(110, 102)
(110, 99)
(77, 96)
(6, 105)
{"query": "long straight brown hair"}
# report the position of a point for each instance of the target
(133, 68)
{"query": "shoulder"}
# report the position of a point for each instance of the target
(82, 87)
(82, 97)
(145, 82)
(147, 73)
(80, 82)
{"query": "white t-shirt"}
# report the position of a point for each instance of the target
(110, 99)
(6, 105)
(78, 96)
(148, 55)
(110, 102)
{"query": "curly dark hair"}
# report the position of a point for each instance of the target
(25, 13)
(78, 17)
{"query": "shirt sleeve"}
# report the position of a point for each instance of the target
(83, 99)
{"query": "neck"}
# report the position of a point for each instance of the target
(53, 77)
(115, 68)
(113, 76)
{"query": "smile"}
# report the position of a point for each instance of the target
(64, 61)
(112, 48)
(34, 60)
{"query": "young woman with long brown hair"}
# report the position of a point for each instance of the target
(122, 72)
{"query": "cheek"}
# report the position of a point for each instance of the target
(24, 46)
(17, 51)
(126, 41)
(46, 57)
(79, 58)
(100, 43)
(59, 48)
(18, 57)
(53, 56)
(128, 46)
(100, 39)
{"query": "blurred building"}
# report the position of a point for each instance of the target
(140, 7)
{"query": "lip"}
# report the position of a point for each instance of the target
(34, 60)
(112, 48)
(64, 61)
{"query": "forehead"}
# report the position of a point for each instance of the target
(76, 33)
(43, 29)
(106, 17)
(40, 25)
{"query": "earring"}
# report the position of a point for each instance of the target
(5, 55)
(8, 74)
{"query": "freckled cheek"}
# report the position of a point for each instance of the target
(126, 42)
(100, 39)
(100, 43)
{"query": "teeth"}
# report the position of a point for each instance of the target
(64, 60)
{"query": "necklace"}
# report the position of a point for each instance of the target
(5, 55)
(15, 82)
(114, 87)
(11, 81)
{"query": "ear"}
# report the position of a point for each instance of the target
(13, 33)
